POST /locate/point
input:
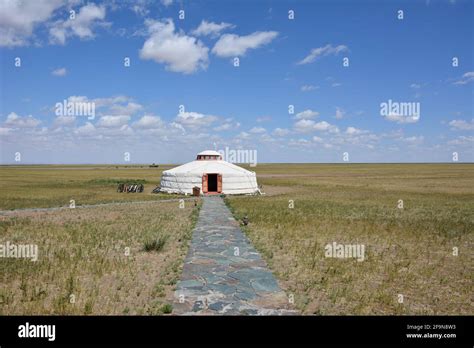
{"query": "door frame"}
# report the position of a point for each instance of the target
(205, 183)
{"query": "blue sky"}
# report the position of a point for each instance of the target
(282, 62)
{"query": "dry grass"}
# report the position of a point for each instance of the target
(408, 252)
(55, 186)
(83, 252)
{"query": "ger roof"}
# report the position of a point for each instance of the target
(212, 166)
(209, 153)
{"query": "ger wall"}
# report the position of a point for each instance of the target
(231, 184)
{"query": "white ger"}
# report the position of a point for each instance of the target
(211, 174)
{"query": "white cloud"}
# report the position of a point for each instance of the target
(307, 88)
(223, 127)
(128, 109)
(195, 119)
(394, 134)
(149, 122)
(179, 52)
(5, 131)
(140, 8)
(113, 121)
(280, 132)
(317, 139)
(16, 121)
(86, 130)
(462, 140)
(64, 121)
(57, 35)
(231, 45)
(77, 99)
(178, 127)
(81, 26)
(415, 86)
(103, 102)
(321, 52)
(306, 114)
(340, 113)
(326, 127)
(414, 140)
(59, 72)
(462, 125)
(166, 3)
(466, 78)
(211, 29)
(300, 142)
(308, 126)
(402, 119)
(257, 130)
(227, 125)
(304, 126)
(243, 135)
(354, 131)
(18, 19)
(122, 131)
(266, 138)
(116, 105)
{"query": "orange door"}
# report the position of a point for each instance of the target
(204, 183)
(219, 183)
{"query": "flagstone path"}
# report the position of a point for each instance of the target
(223, 273)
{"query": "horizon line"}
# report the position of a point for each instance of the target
(177, 164)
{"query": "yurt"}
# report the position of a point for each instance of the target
(211, 174)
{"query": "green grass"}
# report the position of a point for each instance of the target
(156, 244)
(166, 308)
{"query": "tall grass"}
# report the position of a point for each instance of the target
(408, 251)
(91, 261)
(155, 244)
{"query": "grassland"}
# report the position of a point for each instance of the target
(55, 186)
(408, 251)
(96, 260)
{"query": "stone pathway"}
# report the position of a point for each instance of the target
(223, 273)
